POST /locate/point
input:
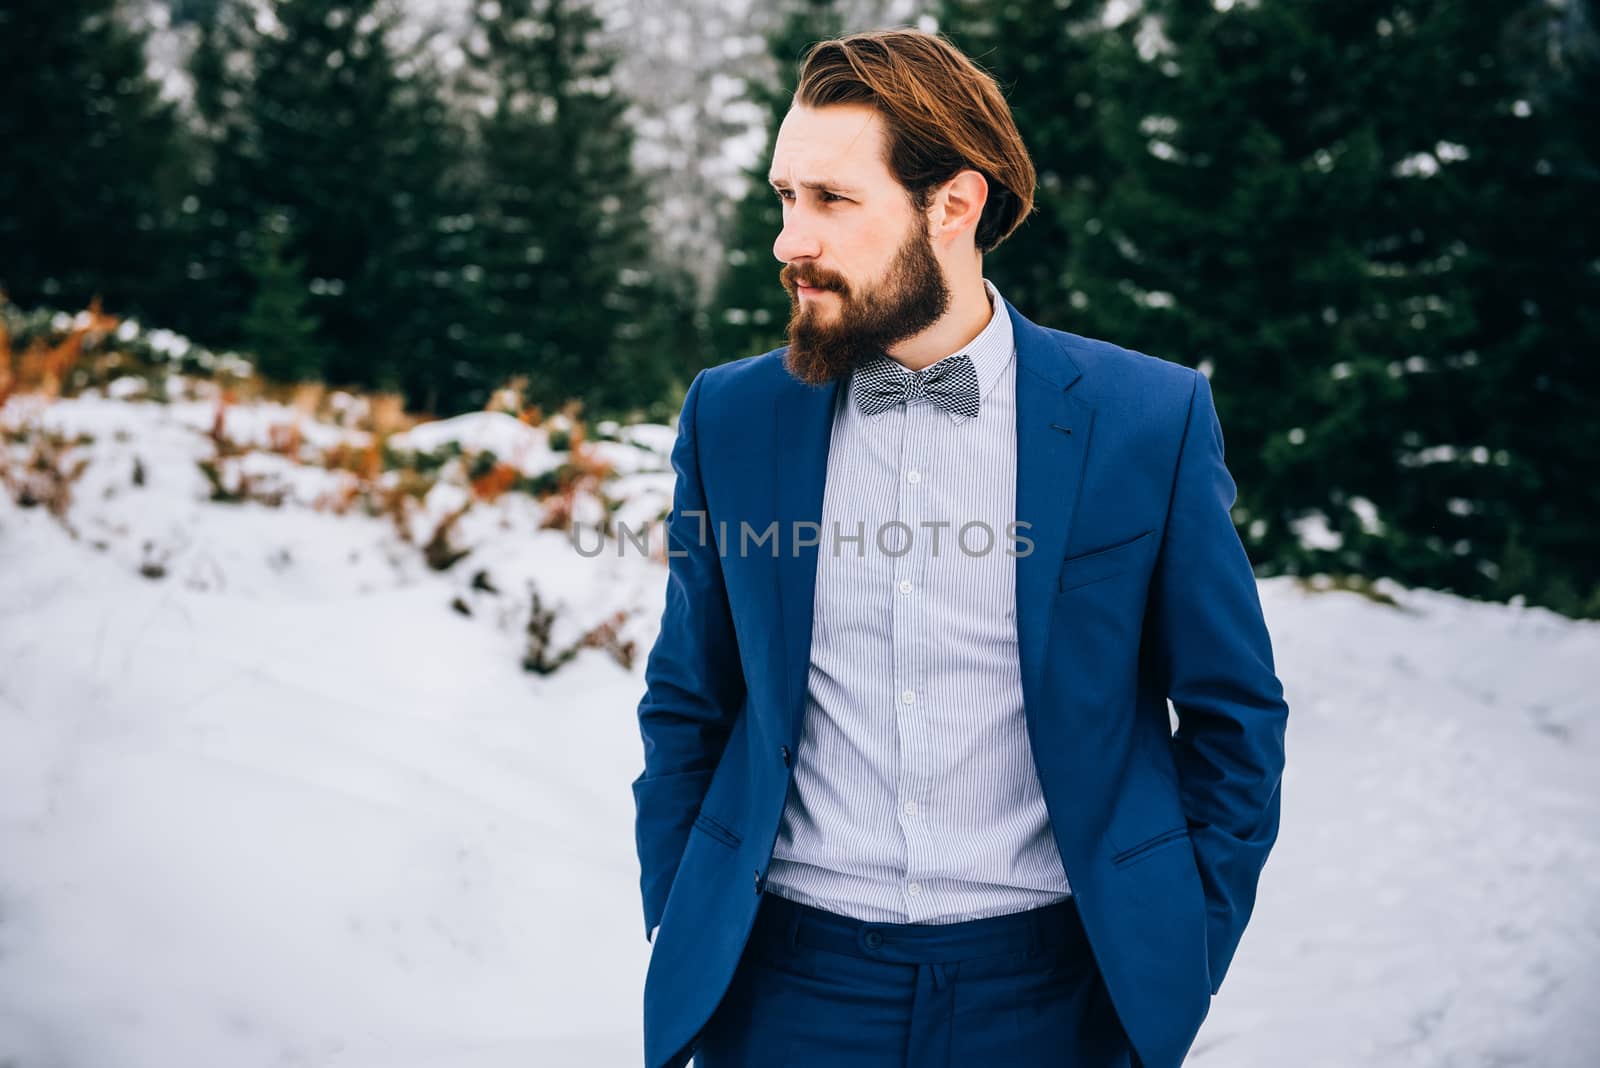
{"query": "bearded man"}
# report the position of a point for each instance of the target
(911, 792)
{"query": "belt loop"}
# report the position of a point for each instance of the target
(1034, 938)
(793, 928)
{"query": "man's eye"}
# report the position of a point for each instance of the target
(826, 197)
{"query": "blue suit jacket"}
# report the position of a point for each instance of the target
(1136, 590)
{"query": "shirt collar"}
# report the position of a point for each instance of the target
(993, 348)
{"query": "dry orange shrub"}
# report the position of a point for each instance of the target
(578, 432)
(363, 461)
(495, 481)
(284, 439)
(307, 397)
(247, 390)
(387, 414)
(7, 379)
(43, 367)
(607, 635)
(45, 477)
(219, 424)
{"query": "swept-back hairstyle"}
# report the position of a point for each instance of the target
(942, 113)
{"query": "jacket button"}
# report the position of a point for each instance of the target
(785, 751)
(760, 882)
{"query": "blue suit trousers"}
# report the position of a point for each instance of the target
(814, 988)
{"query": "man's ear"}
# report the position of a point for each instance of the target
(958, 205)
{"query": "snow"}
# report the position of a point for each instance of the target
(627, 456)
(1434, 898)
(285, 805)
(1313, 531)
(298, 831)
(511, 440)
(654, 436)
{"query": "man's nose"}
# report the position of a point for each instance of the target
(795, 241)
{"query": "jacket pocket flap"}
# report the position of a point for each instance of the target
(1149, 845)
(1097, 564)
(710, 825)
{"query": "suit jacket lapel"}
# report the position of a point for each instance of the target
(1053, 429)
(802, 427)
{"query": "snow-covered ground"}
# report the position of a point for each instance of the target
(267, 798)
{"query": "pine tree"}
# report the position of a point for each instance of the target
(750, 309)
(1318, 205)
(425, 311)
(92, 160)
(348, 147)
(1531, 266)
(1043, 55)
(311, 107)
(560, 273)
(277, 330)
(216, 226)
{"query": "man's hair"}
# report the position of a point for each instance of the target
(942, 114)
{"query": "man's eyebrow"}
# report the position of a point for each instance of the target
(811, 183)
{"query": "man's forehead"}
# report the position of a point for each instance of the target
(832, 145)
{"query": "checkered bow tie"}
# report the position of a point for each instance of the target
(952, 384)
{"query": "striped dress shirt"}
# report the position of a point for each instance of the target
(915, 798)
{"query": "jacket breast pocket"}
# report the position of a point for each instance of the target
(1102, 563)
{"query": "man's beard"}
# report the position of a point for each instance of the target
(912, 297)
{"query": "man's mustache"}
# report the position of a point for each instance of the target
(811, 279)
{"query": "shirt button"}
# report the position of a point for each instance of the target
(914, 889)
(913, 476)
(911, 808)
(909, 696)
(905, 585)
